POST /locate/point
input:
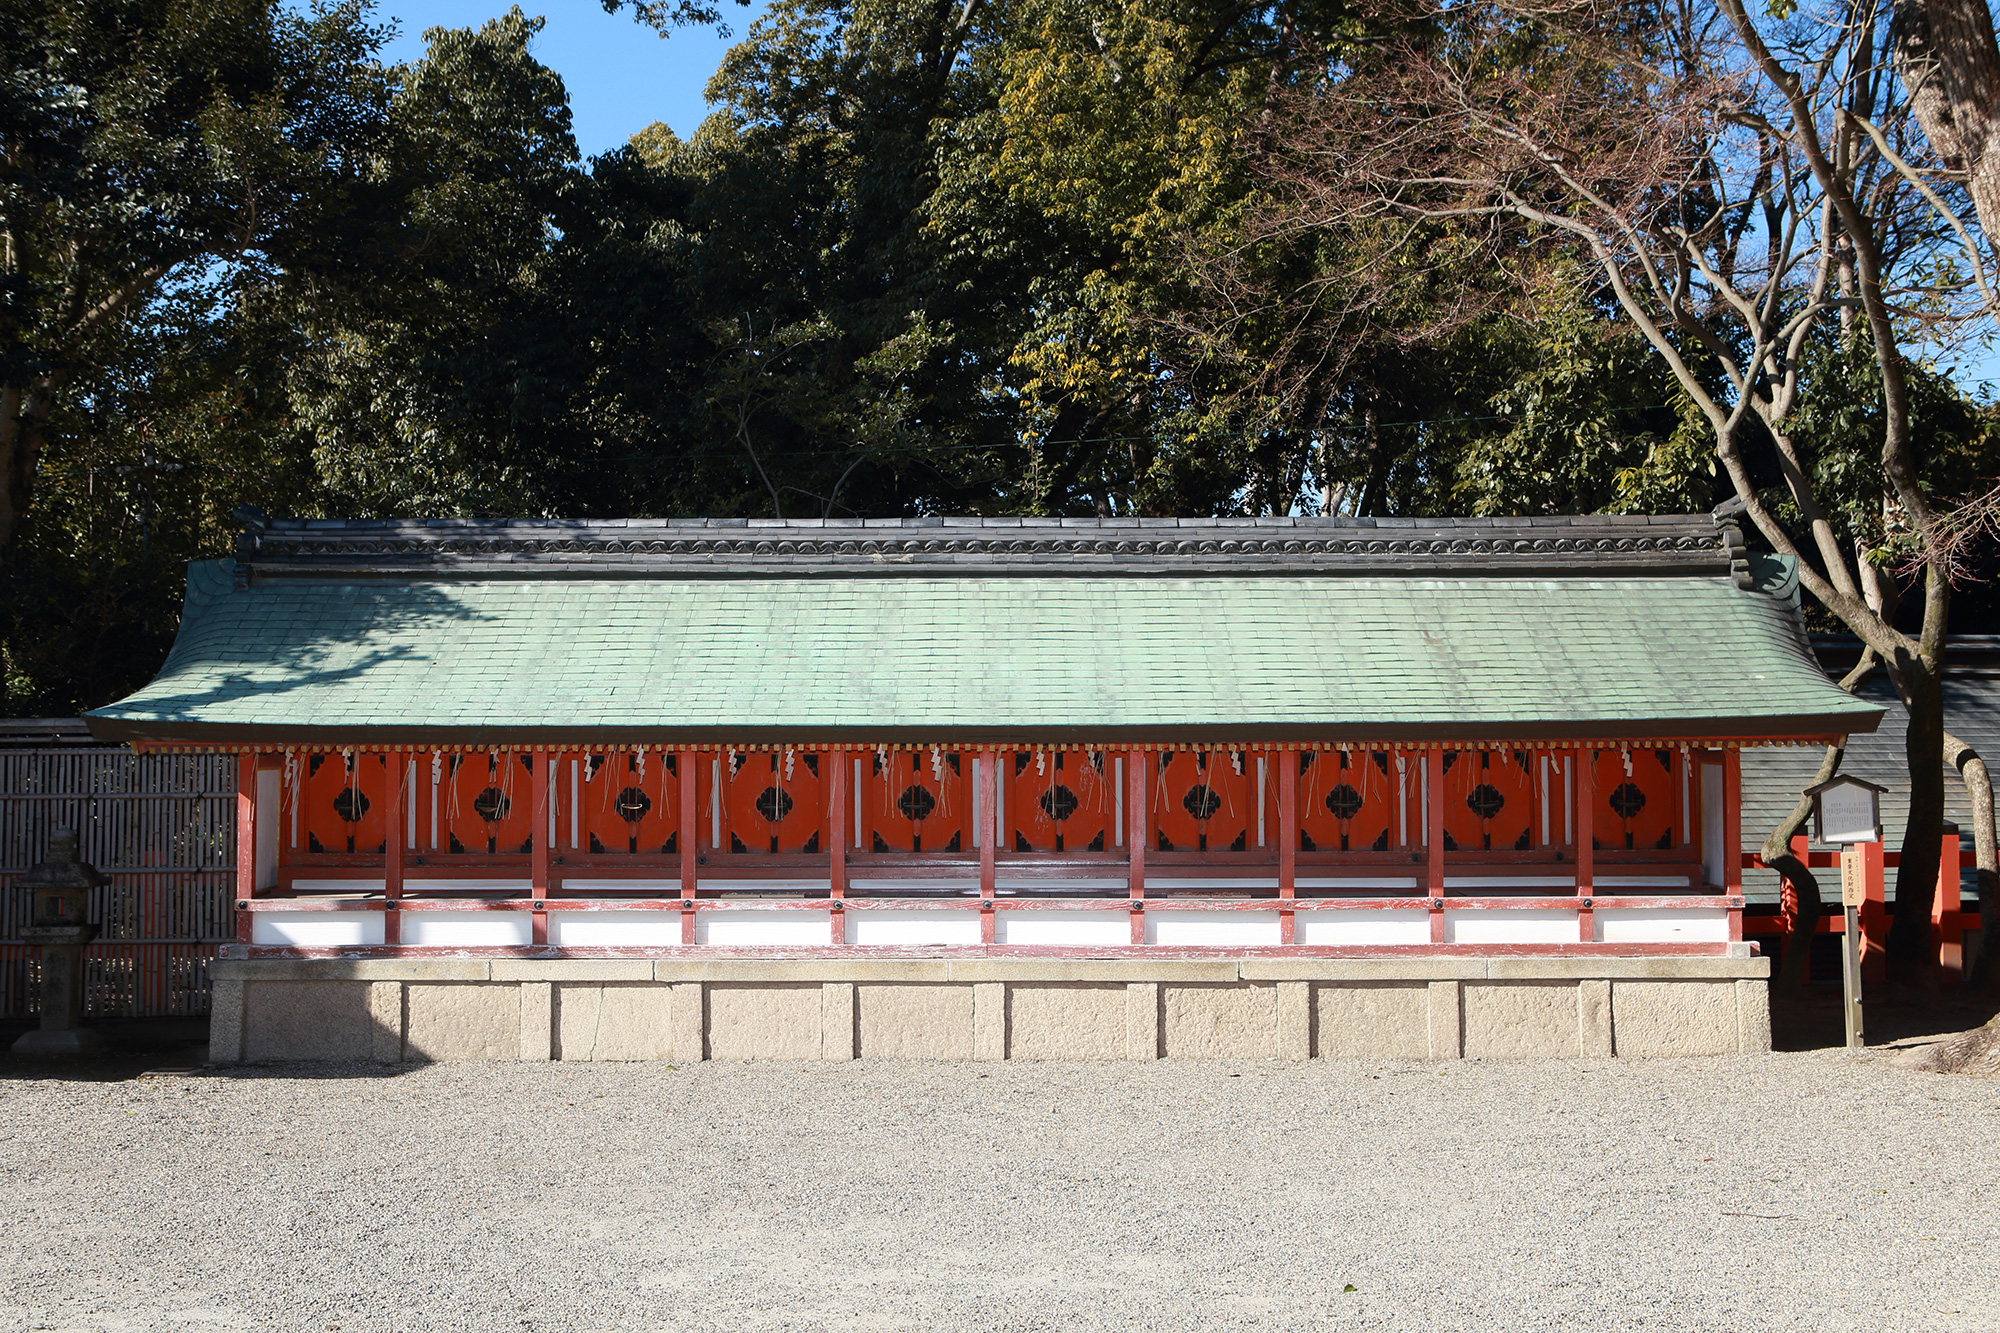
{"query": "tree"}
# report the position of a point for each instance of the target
(1738, 191)
(144, 143)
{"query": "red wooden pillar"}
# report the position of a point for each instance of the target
(988, 833)
(1433, 784)
(246, 841)
(538, 785)
(1288, 840)
(1874, 915)
(1583, 798)
(685, 840)
(392, 865)
(836, 821)
(836, 835)
(1945, 907)
(1136, 788)
(1586, 840)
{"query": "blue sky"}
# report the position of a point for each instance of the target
(621, 75)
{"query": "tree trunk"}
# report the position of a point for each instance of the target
(1911, 961)
(24, 413)
(1777, 854)
(1979, 792)
(1949, 62)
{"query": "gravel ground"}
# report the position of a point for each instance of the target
(1778, 1192)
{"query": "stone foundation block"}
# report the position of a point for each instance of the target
(1445, 1020)
(1593, 1016)
(989, 1020)
(1753, 1017)
(631, 1021)
(1142, 1020)
(1219, 1022)
(1374, 1020)
(1675, 1017)
(765, 1022)
(308, 1020)
(385, 1015)
(462, 1021)
(1520, 1020)
(836, 1039)
(914, 1022)
(1076, 1022)
(225, 1021)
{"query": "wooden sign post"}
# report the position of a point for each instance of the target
(1849, 811)
(1853, 891)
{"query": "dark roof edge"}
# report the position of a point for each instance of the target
(1665, 730)
(692, 548)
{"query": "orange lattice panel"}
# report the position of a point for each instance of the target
(775, 802)
(1491, 802)
(485, 803)
(1640, 810)
(916, 801)
(343, 803)
(1057, 800)
(1348, 799)
(1204, 801)
(625, 801)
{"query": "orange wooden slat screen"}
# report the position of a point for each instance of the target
(1348, 800)
(1638, 811)
(626, 801)
(776, 802)
(1057, 800)
(914, 802)
(1204, 800)
(343, 803)
(485, 803)
(1490, 801)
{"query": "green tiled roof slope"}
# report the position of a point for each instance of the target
(972, 657)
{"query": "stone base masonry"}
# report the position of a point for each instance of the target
(395, 1010)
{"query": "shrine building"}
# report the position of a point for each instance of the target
(988, 788)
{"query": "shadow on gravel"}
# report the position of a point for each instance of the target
(132, 1047)
(177, 1047)
(1813, 1021)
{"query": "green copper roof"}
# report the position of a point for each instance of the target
(537, 656)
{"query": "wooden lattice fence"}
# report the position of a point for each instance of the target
(160, 826)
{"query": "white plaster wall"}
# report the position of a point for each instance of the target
(498, 888)
(269, 801)
(1511, 926)
(652, 888)
(316, 930)
(338, 886)
(1060, 928)
(1202, 929)
(468, 928)
(1362, 927)
(963, 883)
(614, 930)
(750, 928)
(914, 927)
(1210, 884)
(1662, 925)
(1113, 885)
(1358, 883)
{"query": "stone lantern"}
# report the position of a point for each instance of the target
(59, 915)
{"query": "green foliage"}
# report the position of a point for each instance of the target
(923, 258)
